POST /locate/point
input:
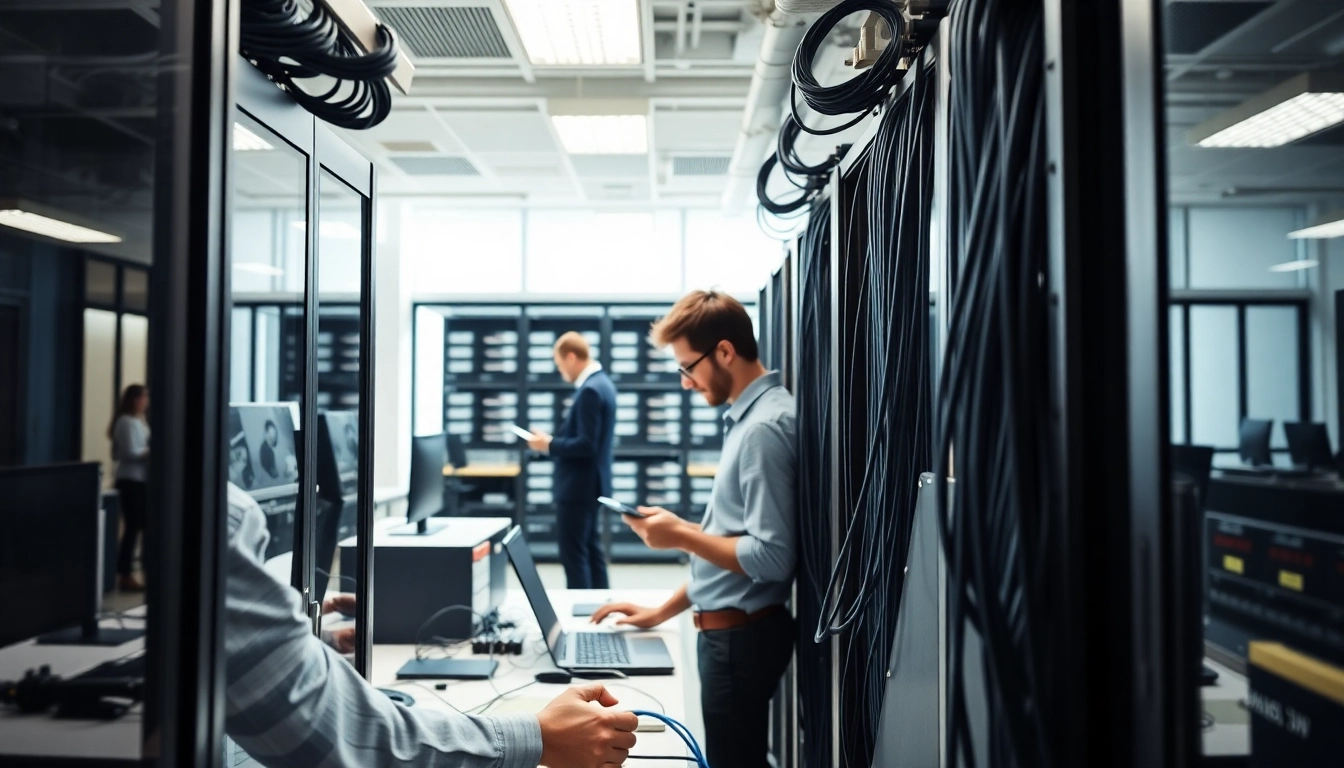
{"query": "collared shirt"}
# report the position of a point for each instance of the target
(754, 499)
(587, 373)
(291, 701)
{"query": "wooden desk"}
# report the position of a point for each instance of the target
(666, 693)
(702, 470)
(483, 470)
(42, 736)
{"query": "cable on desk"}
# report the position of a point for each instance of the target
(680, 730)
(480, 710)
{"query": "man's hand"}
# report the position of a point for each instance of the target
(540, 442)
(660, 530)
(339, 603)
(343, 640)
(577, 733)
(632, 615)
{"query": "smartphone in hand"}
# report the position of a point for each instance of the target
(624, 509)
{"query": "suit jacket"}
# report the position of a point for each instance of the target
(582, 447)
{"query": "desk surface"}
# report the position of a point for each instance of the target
(42, 735)
(665, 693)
(483, 470)
(1230, 732)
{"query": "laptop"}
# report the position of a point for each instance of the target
(584, 650)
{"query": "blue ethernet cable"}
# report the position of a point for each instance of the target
(679, 729)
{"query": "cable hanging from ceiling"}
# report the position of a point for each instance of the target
(861, 94)
(993, 400)
(290, 46)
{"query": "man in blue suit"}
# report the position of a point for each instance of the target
(582, 449)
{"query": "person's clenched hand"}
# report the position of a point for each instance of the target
(580, 730)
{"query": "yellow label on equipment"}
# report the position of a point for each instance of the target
(1290, 580)
(1233, 564)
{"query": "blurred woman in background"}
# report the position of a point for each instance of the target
(129, 433)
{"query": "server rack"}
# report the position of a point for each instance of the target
(498, 370)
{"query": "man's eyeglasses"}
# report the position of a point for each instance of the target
(685, 370)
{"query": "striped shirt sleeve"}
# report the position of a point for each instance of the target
(291, 701)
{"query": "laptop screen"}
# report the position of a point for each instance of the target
(526, 569)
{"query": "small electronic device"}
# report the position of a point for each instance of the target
(624, 509)
(554, 677)
(448, 669)
(586, 609)
(523, 433)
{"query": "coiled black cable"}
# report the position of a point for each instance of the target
(993, 399)
(813, 396)
(860, 94)
(289, 46)
(885, 403)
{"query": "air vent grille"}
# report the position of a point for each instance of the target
(436, 166)
(707, 165)
(446, 33)
(1193, 26)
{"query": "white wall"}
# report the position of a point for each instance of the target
(392, 351)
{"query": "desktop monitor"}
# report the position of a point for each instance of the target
(1254, 443)
(1309, 444)
(51, 545)
(424, 499)
(457, 451)
(338, 454)
(262, 456)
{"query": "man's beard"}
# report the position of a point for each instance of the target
(719, 386)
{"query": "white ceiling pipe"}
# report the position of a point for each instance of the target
(765, 107)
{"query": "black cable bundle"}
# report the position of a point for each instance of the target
(886, 437)
(287, 45)
(993, 406)
(862, 93)
(813, 395)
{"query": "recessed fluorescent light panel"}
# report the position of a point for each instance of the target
(1307, 104)
(603, 134)
(578, 32)
(1294, 266)
(1324, 228)
(245, 140)
(53, 228)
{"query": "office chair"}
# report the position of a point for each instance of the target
(457, 457)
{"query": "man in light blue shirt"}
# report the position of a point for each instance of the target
(743, 553)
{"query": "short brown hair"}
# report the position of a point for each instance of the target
(574, 342)
(703, 319)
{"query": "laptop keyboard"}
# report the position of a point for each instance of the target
(600, 649)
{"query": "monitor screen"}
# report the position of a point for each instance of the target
(1254, 443)
(50, 531)
(1309, 444)
(343, 434)
(424, 498)
(262, 456)
(526, 570)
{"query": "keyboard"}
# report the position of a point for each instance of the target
(600, 649)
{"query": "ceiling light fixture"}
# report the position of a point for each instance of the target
(57, 229)
(244, 140)
(578, 32)
(258, 268)
(1294, 266)
(603, 134)
(1306, 104)
(1323, 228)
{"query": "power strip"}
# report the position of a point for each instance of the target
(502, 643)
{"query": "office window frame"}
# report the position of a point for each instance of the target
(1184, 301)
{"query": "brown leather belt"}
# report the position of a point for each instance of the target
(731, 618)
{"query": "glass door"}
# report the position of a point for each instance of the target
(344, 379)
(269, 263)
